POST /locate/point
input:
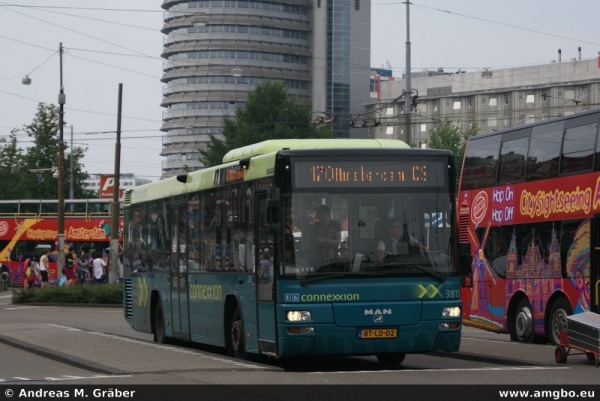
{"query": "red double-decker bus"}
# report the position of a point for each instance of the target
(529, 209)
(28, 227)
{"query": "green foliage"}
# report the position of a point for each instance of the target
(15, 179)
(450, 136)
(78, 294)
(269, 114)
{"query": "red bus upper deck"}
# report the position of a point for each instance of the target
(27, 227)
(529, 209)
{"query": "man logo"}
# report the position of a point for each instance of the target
(374, 312)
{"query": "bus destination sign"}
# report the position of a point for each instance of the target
(368, 174)
(229, 175)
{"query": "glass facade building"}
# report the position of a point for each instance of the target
(217, 51)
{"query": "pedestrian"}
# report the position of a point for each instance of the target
(28, 274)
(98, 266)
(82, 268)
(120, 267)
(44, 268)
(70, 267)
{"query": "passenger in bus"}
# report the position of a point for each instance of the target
(344, 252)
(289, 245)
(326, 234)
(396, 242)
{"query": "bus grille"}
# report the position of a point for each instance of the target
(463, 228)
(128, 300)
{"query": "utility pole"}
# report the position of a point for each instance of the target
(71, 196)
(114, 214)
(60, 208)
(407, 97)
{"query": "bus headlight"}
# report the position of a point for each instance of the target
(297, 315)
(451, 311)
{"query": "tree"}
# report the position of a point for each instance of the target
(269, 114)
(19, 183)
(449, 135)
(13, 181)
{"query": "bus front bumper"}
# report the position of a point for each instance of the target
(329, 339)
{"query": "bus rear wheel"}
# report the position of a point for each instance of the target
(237, 347)
(558, 320)
(391, 359)
(522, 330)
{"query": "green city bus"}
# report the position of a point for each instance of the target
(233, 255)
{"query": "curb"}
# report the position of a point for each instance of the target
(57, 356)
(475, 357)
(72, 305)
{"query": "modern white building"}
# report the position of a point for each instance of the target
(218, 51)
(494, 99)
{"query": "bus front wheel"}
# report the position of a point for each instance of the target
(159, 325)
(237, 346)
(391, 359)
(522, 330)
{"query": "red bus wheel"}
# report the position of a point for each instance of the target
(558, 320)
(523, 324)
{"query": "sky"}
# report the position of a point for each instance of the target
(116, 42)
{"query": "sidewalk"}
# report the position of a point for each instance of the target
(88, 349)
(503, 353)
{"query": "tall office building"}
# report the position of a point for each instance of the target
(218, 51)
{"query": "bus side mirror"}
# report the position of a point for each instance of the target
(273, 206)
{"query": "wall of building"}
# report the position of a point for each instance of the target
(494, 99)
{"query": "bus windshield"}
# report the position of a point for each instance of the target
(364, 234)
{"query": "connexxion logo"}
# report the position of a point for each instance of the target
(320, 297)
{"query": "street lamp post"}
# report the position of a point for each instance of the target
(60, 209)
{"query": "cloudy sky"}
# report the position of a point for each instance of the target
(119, 41)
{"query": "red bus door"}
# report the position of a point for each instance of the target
(594, 280)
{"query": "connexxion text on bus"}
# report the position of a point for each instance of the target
(226, 255)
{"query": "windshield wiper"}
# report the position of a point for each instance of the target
(438, 276)
(305, 282)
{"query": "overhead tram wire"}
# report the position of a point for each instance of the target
(133, 26)
(72, 30)
(85, 8)
(491, 22)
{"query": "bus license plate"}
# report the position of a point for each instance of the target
(378, 333)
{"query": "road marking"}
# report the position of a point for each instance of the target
(443, 370)
(160, 346)
(67, 377)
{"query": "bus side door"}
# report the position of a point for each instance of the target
(179, 275)
(594, 280)
(265, 274)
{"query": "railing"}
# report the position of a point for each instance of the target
(44, 208)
